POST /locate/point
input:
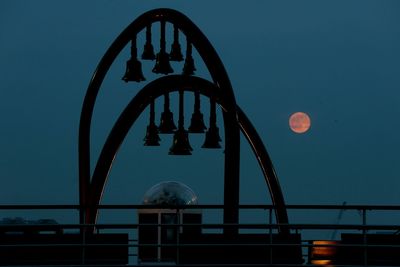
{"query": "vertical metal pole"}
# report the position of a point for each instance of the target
(152, 113)
(232, 172)
(181, 120)
(177, 229)
(133, 48)
(83, 243)
(196, 101)
(364, 223)
(162, 34)
(213, 112)
(166, 102)
(270, 235)
(159, 237)
(148, 35)
(176, 34)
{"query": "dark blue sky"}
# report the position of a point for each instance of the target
(339, 61)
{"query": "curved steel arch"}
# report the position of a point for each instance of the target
(137, 105)
(220, 78)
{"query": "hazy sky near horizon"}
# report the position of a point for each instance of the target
(338, 61)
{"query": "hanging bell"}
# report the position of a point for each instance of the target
(188, 67)
(175, 54)
(181, 145)
(162, 63)
(167, 124)
(197, 123)
(162, 59)
(133, 71)
(151, 138)
(212, 135)
(148, 52)
(212, 138)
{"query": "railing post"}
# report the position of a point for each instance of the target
(270, 235)
(364, 223)
(178, 228)
(83, 232)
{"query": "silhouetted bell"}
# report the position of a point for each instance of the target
(162, 63)
(133, 71)
(212, 138)
(188, 68)
(167, 124)
(151, 138)
(148, 52)
(197, 123)
(176, 53)
(181, 145)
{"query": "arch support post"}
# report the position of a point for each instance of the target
(231, 173)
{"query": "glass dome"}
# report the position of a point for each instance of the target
(170, 193)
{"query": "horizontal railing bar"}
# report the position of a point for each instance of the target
(180, 245)
(154, 264)
(346, 207)
(11, 228)
(204, 206)
(53, 227)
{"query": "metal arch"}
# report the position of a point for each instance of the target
(220, 78)
(142, 100)
(267, 168)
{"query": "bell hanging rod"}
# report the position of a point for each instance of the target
(212, 135)
(148, 50)
(167, 124)
(133, 71)
(180, 144)
(188, 67)
(152, 138)
(197, 121)
(162, 60)
(176, 53)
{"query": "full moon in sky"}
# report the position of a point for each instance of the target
(299, 122)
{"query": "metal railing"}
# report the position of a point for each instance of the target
(357, 239)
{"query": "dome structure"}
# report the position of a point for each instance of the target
(170, 193)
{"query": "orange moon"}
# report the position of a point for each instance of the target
(299, 122)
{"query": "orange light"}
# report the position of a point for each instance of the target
(321, 262)
(323, 252)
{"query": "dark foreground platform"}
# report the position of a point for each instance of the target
(63, 249)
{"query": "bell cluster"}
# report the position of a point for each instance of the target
(133, 73)
(180, 143)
